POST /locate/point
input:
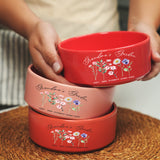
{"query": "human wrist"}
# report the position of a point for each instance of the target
(30, 27)
(141, 25)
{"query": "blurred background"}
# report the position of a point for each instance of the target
(139, 96)
(123, 13)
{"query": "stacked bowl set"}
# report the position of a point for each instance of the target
(82, 117)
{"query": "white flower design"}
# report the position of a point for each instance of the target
(72, 138)
(63, 103)
(69, 141)
(76, 133)
(94, 63)
(110, 73)
(46, 92)
(116, 61)
(59, 106)
(107, 68)
(61, 96)
(113, 67)
(57, 101)
(68, 99)
(66, 136)
(90, 66)
(108, 60)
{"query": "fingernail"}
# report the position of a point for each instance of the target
(157, 54)
(56, 66)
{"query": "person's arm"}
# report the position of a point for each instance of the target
(41, 35)
(16, 15)
(144, 16)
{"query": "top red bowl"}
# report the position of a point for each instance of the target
(104, 59)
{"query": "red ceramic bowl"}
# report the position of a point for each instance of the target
(72, 135)
(66, 101)
(104, 59)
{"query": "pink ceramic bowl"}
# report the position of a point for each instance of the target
(72, 135)
(66, 101)
(104, 59)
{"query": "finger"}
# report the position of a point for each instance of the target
(154, 72)
(155, 46)
(45, 69)
(51, 57)
(156, 55)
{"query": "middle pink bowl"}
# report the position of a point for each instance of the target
(66, 101)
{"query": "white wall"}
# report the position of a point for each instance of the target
(142, 96)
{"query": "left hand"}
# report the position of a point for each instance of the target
(155, 47)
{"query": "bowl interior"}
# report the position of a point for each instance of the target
(103, 41)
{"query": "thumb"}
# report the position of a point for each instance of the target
(155, 47)
(57, 64)
(52, 58)
(155, 55)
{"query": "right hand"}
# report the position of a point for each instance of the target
(43, 41)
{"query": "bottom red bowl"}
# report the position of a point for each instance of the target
(72, 135)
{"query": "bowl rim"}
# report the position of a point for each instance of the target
(147, 39)
(33, 74)
(77, 121)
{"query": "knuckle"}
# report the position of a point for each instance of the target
(49, 57)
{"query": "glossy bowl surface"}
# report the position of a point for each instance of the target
(72, 135)
(104, 59)
(66, 101)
